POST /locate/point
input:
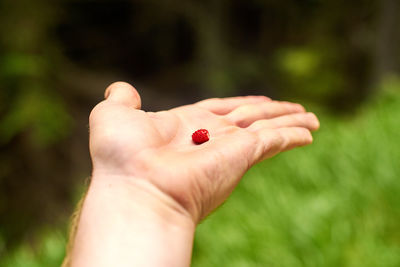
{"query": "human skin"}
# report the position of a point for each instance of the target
(151, 185)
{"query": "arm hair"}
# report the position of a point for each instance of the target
(72, 231)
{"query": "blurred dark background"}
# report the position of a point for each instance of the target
(58, 56)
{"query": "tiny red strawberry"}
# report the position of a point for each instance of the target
(200, 136)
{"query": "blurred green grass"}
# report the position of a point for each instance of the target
(48, 249)
(334, 203)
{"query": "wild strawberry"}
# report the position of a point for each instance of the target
(200, 136)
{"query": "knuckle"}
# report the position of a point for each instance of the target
(245, 110)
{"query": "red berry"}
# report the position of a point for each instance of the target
(200, 136)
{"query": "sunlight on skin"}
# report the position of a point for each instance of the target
(136, 140)
(149, 157)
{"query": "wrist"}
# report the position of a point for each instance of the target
(138, 193)
(125, 221)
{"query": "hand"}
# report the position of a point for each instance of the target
(132, 145)
(151, 184)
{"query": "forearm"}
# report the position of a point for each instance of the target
(129, 222)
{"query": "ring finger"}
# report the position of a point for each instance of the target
(245, 115)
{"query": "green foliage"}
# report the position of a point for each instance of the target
(29, 71)
(45, 115)
(331, 204)
(311, 72)
(17, 65)
(335, 203)
(49, 251)
(300, 62)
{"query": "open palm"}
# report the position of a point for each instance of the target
(156, 147)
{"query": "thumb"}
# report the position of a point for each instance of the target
(124, 94)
